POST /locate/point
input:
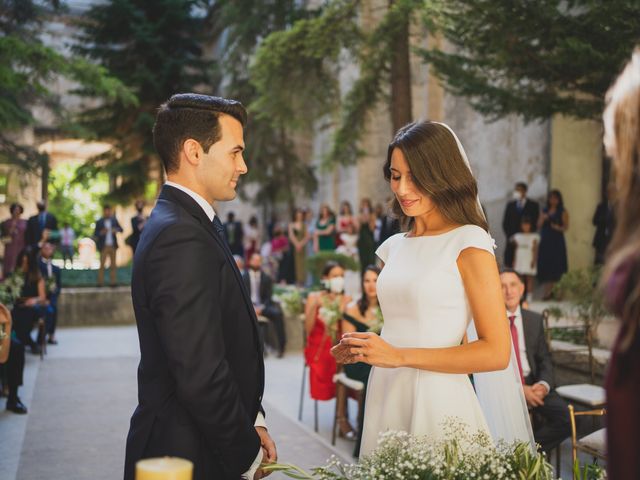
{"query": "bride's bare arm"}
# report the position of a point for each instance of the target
(490, 352)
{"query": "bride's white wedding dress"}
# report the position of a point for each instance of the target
(424, 304)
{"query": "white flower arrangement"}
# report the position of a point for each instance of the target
(331, 313)
(378, 322)
(462, 456)
(11, 289)
(291, 301)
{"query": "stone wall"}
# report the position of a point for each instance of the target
(95, 306)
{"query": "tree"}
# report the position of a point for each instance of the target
(308, 57)
(534, 59)
(27, 68)
(274, 165)
(155, 48)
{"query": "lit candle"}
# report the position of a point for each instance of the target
(167, 468)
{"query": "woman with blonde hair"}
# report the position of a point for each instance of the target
(622, 273)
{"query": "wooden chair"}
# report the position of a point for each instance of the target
(42, 336)
(594, 444)
(589, 395)
(346, 387)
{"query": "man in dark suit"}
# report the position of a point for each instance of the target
(234, 234)
(519, 207)
(260, 287)
(106, 238)
(605, 223)
(37, 224)
(53, 282)
(137, 224)
(534, 362)
(201, 373)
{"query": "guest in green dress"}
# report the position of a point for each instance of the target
(325, 236)
(361, 316)
(298, 239)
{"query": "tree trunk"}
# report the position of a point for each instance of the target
(400, 107)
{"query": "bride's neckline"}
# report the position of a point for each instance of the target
(406, 234)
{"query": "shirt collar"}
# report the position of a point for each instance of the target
(206, 206)
(517, 313)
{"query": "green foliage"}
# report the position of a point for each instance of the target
(28, 69)
(535, 59)
(155, 48)
(291, 299)
(581, 288)
(589, 471)
(74, 202)
(315, 263)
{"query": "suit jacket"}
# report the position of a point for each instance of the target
(201, 372)
(237, 246)
(266, 287)
(604, 221)
(55, 271)
(537, 351)
(512, 217)
(101, 238)
(137, 224)
(34, 231)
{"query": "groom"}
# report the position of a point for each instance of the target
(201, 373)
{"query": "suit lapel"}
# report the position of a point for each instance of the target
(529, 340)
(175, 195)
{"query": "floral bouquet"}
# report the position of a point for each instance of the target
(11, 289)
(462, 455)
(291, 301)
(331, 313)
(378, 322)
(51, 285)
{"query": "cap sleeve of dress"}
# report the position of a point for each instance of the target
(383, 250)
(472, 236)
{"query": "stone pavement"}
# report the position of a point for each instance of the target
(81, 396)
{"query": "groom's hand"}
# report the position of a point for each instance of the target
(268, 449)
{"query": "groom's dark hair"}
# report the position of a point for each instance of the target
(191, 115)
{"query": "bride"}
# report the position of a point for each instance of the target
(439, 282)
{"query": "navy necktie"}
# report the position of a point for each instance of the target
(217, 225)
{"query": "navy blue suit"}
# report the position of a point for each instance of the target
(51, 312)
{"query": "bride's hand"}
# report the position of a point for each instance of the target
(366, 347)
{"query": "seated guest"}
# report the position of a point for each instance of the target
(260, 286)
(534, 362)
(51, 275)
(361, 316)
(12, 353)
(33, 298)
(322, 326)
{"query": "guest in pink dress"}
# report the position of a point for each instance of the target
(13, 230)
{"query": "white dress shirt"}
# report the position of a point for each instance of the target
(210, 212)
(254, 280)
(108, 241)
(524, 361)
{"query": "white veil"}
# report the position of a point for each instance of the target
(500, 392)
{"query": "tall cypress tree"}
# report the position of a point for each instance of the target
(155, 48)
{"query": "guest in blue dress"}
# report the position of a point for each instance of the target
(552, 253)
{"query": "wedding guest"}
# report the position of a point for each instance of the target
(298, 239)
(362, 316)
(325, 236)
(322, 325)
(252, 237)
(366, 243)
(280, 252)
(349, 248)
(12, 353)
(27, 308)
(260, 286)
(40, 225)
(53, 286)
(107, 242)
(535, 365)
(389, 225)
(604, 221)
(519, 207)
(526, 254)
(345, 220)
(234, 233)
(13, 234)
(137, 225)
(552, 253)
(622, 274)
(67, 239)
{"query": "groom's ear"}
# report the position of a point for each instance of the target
(191, 152)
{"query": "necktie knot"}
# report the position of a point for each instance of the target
(512, 318)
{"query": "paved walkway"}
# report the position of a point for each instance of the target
(81, 396)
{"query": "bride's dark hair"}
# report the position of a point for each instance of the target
(439, 171)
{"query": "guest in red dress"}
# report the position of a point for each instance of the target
(322, 328)
(622, 275)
